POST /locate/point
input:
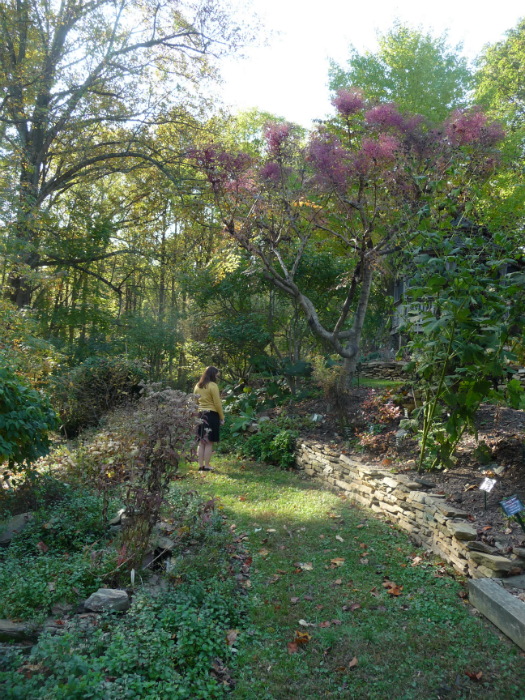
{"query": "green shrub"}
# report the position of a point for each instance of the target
(163, 648)
(87, 392)
(274, 442)
(26, 418)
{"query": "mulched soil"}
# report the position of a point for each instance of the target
(502, 429)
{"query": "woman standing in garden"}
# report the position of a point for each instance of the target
(211, 415)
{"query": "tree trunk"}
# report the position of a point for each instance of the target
(354, 342)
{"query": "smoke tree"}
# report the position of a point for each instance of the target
(360, 186)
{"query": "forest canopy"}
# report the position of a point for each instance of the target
(139, 220)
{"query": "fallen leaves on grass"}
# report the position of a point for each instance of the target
(351, 607)
(42, 546)
(337, 582)
(339, 538)
(263, 552)
(231, 636)
(308, 597)
(302, 637)
(392, 588)
(308, 566)
(353, 663)
(338, 561)
(363, 560)
(474, 676)
(324, 624)
(303, 623)
(294, 601)
(292, 647)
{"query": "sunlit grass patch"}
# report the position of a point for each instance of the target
(418, 644)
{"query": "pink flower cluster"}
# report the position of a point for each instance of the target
(386, 115)
(468, 126)
(330, 160)
(277, 136)
(271, 172)
(220, 166)
(375, 153)
(348, 102)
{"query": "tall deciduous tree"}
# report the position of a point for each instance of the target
(500, 79)
(82, 83)
(359, 186)
(418, 71)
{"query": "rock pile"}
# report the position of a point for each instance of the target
(429, 519)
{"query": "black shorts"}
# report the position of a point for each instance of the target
(210, 428)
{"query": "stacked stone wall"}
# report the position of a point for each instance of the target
(392, 371)
(428, 518)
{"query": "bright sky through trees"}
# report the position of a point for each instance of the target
(289, 77)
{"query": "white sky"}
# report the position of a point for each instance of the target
(289, 78)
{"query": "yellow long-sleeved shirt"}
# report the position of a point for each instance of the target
(209, 398)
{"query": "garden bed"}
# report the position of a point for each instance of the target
(501, 429)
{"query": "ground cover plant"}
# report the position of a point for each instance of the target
(173, 643)
(62, 556)
(319, 559)
(167, 647)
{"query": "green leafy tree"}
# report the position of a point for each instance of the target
(500, 78)
(420, 72)
(74, 76)
(26, 418)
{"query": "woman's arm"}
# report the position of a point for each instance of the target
(216, 399)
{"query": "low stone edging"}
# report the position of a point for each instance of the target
(428, 518)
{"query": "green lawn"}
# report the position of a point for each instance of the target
(418, 645)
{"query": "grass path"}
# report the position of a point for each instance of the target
(418, 645)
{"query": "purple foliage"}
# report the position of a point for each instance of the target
(467, 126)
(386, 115)
(220, 166)
(331, 162)
(277, 137)
(271, 171)
(348, 102)
(379, 152)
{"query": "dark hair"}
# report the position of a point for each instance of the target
(209, 375)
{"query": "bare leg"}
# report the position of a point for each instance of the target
(208, 449)
(200, 454)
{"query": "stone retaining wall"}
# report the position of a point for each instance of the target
(428, 518)
(383, 370)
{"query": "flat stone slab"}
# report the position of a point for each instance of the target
(107, 599)
(14, 527)
(515, 581)
(500, 607)
(492, 561)
(462, 531)
(18, 631)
